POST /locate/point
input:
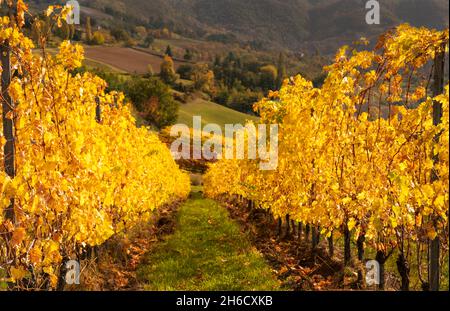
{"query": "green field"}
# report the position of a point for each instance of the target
(90, 63)
(207, 251)
(211, 113)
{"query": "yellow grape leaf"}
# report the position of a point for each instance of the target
(419, 220)
(440, 201)
(21, 9)
(49, 10)
(394, 222)
(53, 280)
(351, 224)
(18, 236)
(346, 200)
(361, 196)
(428, 191)
(18, 273)
(9, 115)
(35, 204)
(36, 255)
(431, 233)
(48, 270)
(403, 166)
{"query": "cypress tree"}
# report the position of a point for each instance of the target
(281, 68)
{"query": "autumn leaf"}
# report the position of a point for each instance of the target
(18, 236)
(21, 9)
(49, 10)
(18, 273)
(35, 255)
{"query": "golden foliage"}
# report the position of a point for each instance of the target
(78, 182)
(342, 163)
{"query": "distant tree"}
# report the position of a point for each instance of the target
(231, 57)
(319, 80)
(141, 32)
(167, 72)
(239, 63)
(203, 78)
(149, 40)
(185, 71)
(169, 51)
(222, 95)
(188, 55)
(153, 100)
(119, 34)
(269, 76)
(130, 42)
(166, 33)
(98, 38)
(243, 100)
(281, 68)
(240, 80)
(88, 30)
(114, 81)
(217, 61)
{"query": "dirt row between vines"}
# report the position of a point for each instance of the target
(297, 266)
(112, 266)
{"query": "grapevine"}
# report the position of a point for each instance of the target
(78, 181)
(356, 155)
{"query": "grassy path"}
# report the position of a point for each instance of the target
(207, 252)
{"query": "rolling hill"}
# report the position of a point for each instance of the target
(295, 24)
(125, 59)
(211, 113)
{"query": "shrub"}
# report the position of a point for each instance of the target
(98, 38)
(153, 100)
(167, 72)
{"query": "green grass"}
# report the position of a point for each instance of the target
(90, 63)
(185, 82)
(207, 252)
(211, 113)
(3, 284)
(196, 189)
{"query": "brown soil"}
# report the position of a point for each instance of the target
(112, 266)
(295, 263)
(126, 59)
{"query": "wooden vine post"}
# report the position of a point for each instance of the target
(98, 110)
(438, 88)
(8, 123)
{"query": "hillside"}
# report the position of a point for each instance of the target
(125, 59)
(211, 113)
(294, 24)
